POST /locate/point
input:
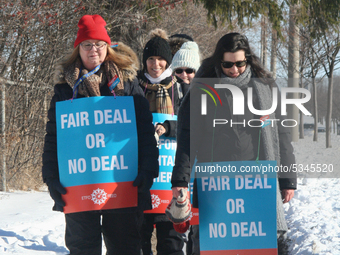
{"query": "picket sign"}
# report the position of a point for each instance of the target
(97, 152)
(237, 207)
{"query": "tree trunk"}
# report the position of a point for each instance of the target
(3, 137)
(273, 53)
(301, 128)
(315, 105)
(293, 68)
(264, 41)
(329, 110)
(330, 97)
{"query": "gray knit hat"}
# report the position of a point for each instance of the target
(187, 56)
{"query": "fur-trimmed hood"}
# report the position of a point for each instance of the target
(129, 64)
(124, 57)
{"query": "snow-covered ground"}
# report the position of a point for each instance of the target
(29, 226)
(313, 216)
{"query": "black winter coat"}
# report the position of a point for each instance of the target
(147, 150)
(179, 85)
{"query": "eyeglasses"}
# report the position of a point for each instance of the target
(88, 46)
(188, 71)
(228, 64)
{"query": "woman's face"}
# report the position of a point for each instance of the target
(155, 66)
(186, 74)
(95, 56)
(237, 56)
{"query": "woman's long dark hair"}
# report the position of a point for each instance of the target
(233, 42)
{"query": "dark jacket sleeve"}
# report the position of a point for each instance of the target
(132, 88)
(287, 179)
(147, 147)
(181, 171)
(49, 157)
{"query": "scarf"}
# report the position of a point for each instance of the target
(242, 81)
(269, 134)
(158, 96)
(92, 84)
(164, 75)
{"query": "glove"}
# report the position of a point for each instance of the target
(55, 189)
(143, 181)
(179, 209)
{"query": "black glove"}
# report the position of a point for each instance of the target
(144, 181)
(55, 189)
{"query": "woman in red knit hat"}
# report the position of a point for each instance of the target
(87, 72)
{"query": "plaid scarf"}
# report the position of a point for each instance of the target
(158, 96)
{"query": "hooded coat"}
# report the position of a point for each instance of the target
(147, 150)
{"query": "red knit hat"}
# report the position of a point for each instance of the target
(92, 27)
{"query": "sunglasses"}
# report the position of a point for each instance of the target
(228, 64)
(188, 71)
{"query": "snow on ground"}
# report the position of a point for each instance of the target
(29, 226)
(313, 216)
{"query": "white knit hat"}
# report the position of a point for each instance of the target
(187, 56)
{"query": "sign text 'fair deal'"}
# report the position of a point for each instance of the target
(237, 209)
(97, 152)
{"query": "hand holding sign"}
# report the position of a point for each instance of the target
(179, 210)
(176, 191)
(143, 181)
(56, 190)
(287, 195)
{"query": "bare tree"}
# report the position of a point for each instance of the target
(35, 35)
(331, 41)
